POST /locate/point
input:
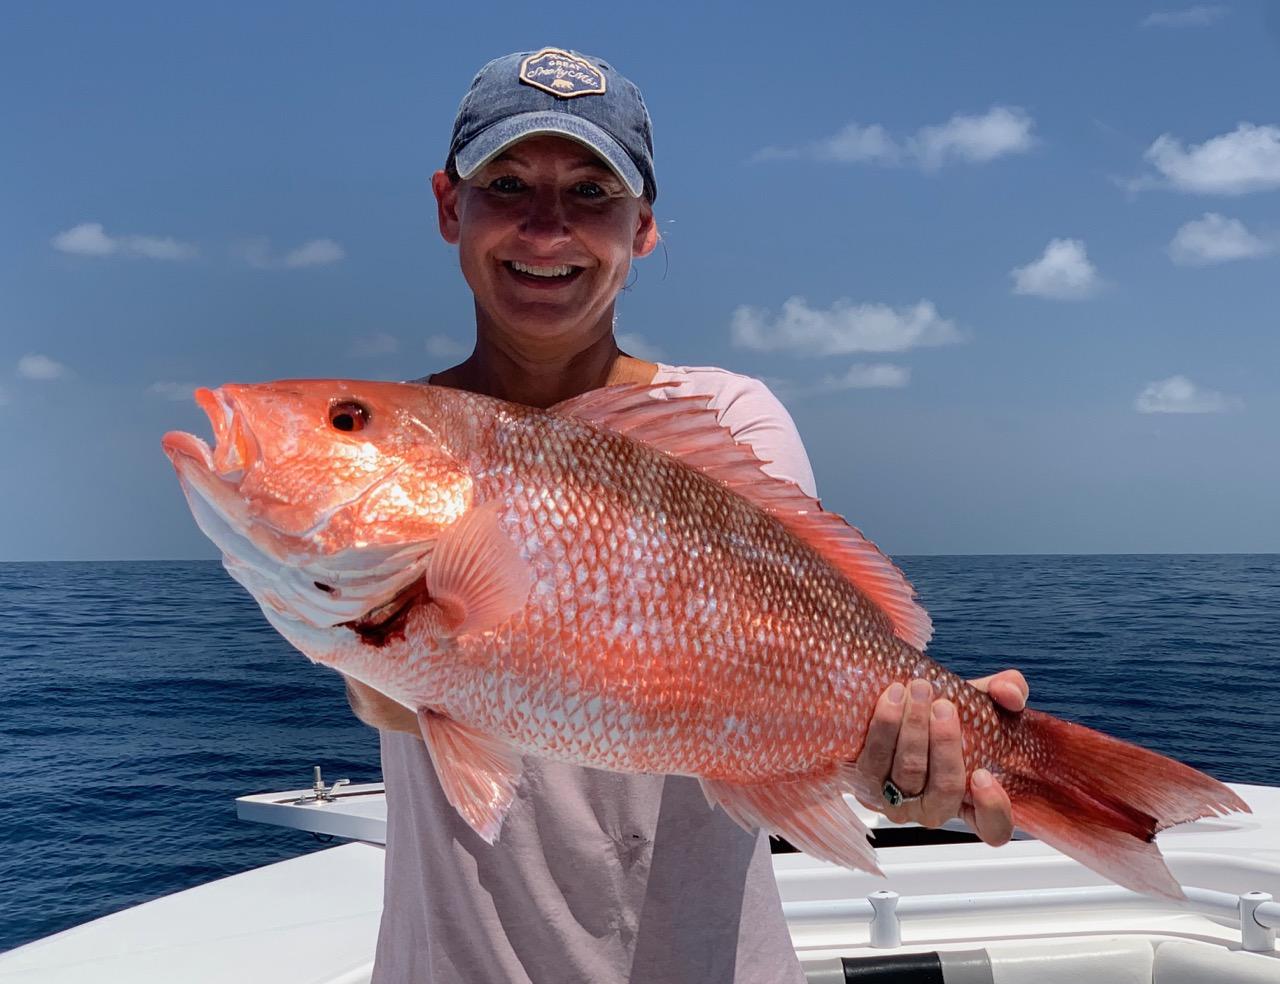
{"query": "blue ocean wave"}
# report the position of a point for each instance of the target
(141, 698)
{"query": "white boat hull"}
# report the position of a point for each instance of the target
(1030, 913)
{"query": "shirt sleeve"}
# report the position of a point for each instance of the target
(754, 416)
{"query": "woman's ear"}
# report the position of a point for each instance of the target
(446, 192)
(646, 232)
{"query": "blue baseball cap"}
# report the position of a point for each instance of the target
(554, 91)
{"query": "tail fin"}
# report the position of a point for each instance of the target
(1101, 801)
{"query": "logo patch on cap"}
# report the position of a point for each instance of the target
(562, 74)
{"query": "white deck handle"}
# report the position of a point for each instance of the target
(1259, 919)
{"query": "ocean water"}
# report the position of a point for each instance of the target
(141, 698)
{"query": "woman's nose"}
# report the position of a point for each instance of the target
(546, 220)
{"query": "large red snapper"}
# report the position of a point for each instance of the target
(614, 582)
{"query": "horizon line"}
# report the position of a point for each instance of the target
(1029, 553)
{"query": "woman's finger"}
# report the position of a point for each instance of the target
(1008, 688)
(876, 758)
(911, 758)
(992, 813)
(944, 791)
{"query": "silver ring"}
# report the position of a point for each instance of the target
(895, 796)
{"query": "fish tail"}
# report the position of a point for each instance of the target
(1101, 801)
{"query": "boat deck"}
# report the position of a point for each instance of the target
(1018, 913)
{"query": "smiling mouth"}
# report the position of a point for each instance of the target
(540, 275)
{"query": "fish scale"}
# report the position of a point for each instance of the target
(616, 583)
(746, 596)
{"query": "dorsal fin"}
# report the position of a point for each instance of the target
(686, 428)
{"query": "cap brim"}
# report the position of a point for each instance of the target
(489, 143)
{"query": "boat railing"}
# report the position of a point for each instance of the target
(1256, 914)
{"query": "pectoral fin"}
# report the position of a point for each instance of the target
(479, 773)
(476, 577)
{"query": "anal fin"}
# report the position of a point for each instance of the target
(478, 773)
(810, 813)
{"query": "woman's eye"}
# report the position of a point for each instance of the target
(347, 415)
(588, 189)
(506, 184)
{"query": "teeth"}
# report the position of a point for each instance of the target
(542, 271)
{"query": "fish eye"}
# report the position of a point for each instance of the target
(347, 415)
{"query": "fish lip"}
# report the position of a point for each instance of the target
(180, 444)
(193, 460)
(235, 448)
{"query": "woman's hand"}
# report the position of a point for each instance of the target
(915, 741)
(378, 710)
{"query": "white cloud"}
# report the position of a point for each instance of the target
(178, 392)
(378, 344)
(1178, 394)
(444, 347)
(1215, 239)
(639, 346)
(974, 139)
(842, 329)
(90, 239)
(1236, 163)
(1002, 130)
(854, 144)
(41, 368)
(316, 252)
(86, 239)
(1201, 15)
(880, 375)
(1062, 273)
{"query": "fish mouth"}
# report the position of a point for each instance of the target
(180, 444)
(211, 495)
(234, 448)
(211, 476)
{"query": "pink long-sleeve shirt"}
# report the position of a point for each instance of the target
(597, 877)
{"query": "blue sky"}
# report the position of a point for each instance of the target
(1013, 267)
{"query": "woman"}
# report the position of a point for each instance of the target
(602, 877)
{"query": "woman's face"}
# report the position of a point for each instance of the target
(546, 233)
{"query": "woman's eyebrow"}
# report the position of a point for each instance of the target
(586, 162)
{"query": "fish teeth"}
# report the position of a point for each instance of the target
(562, 270)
